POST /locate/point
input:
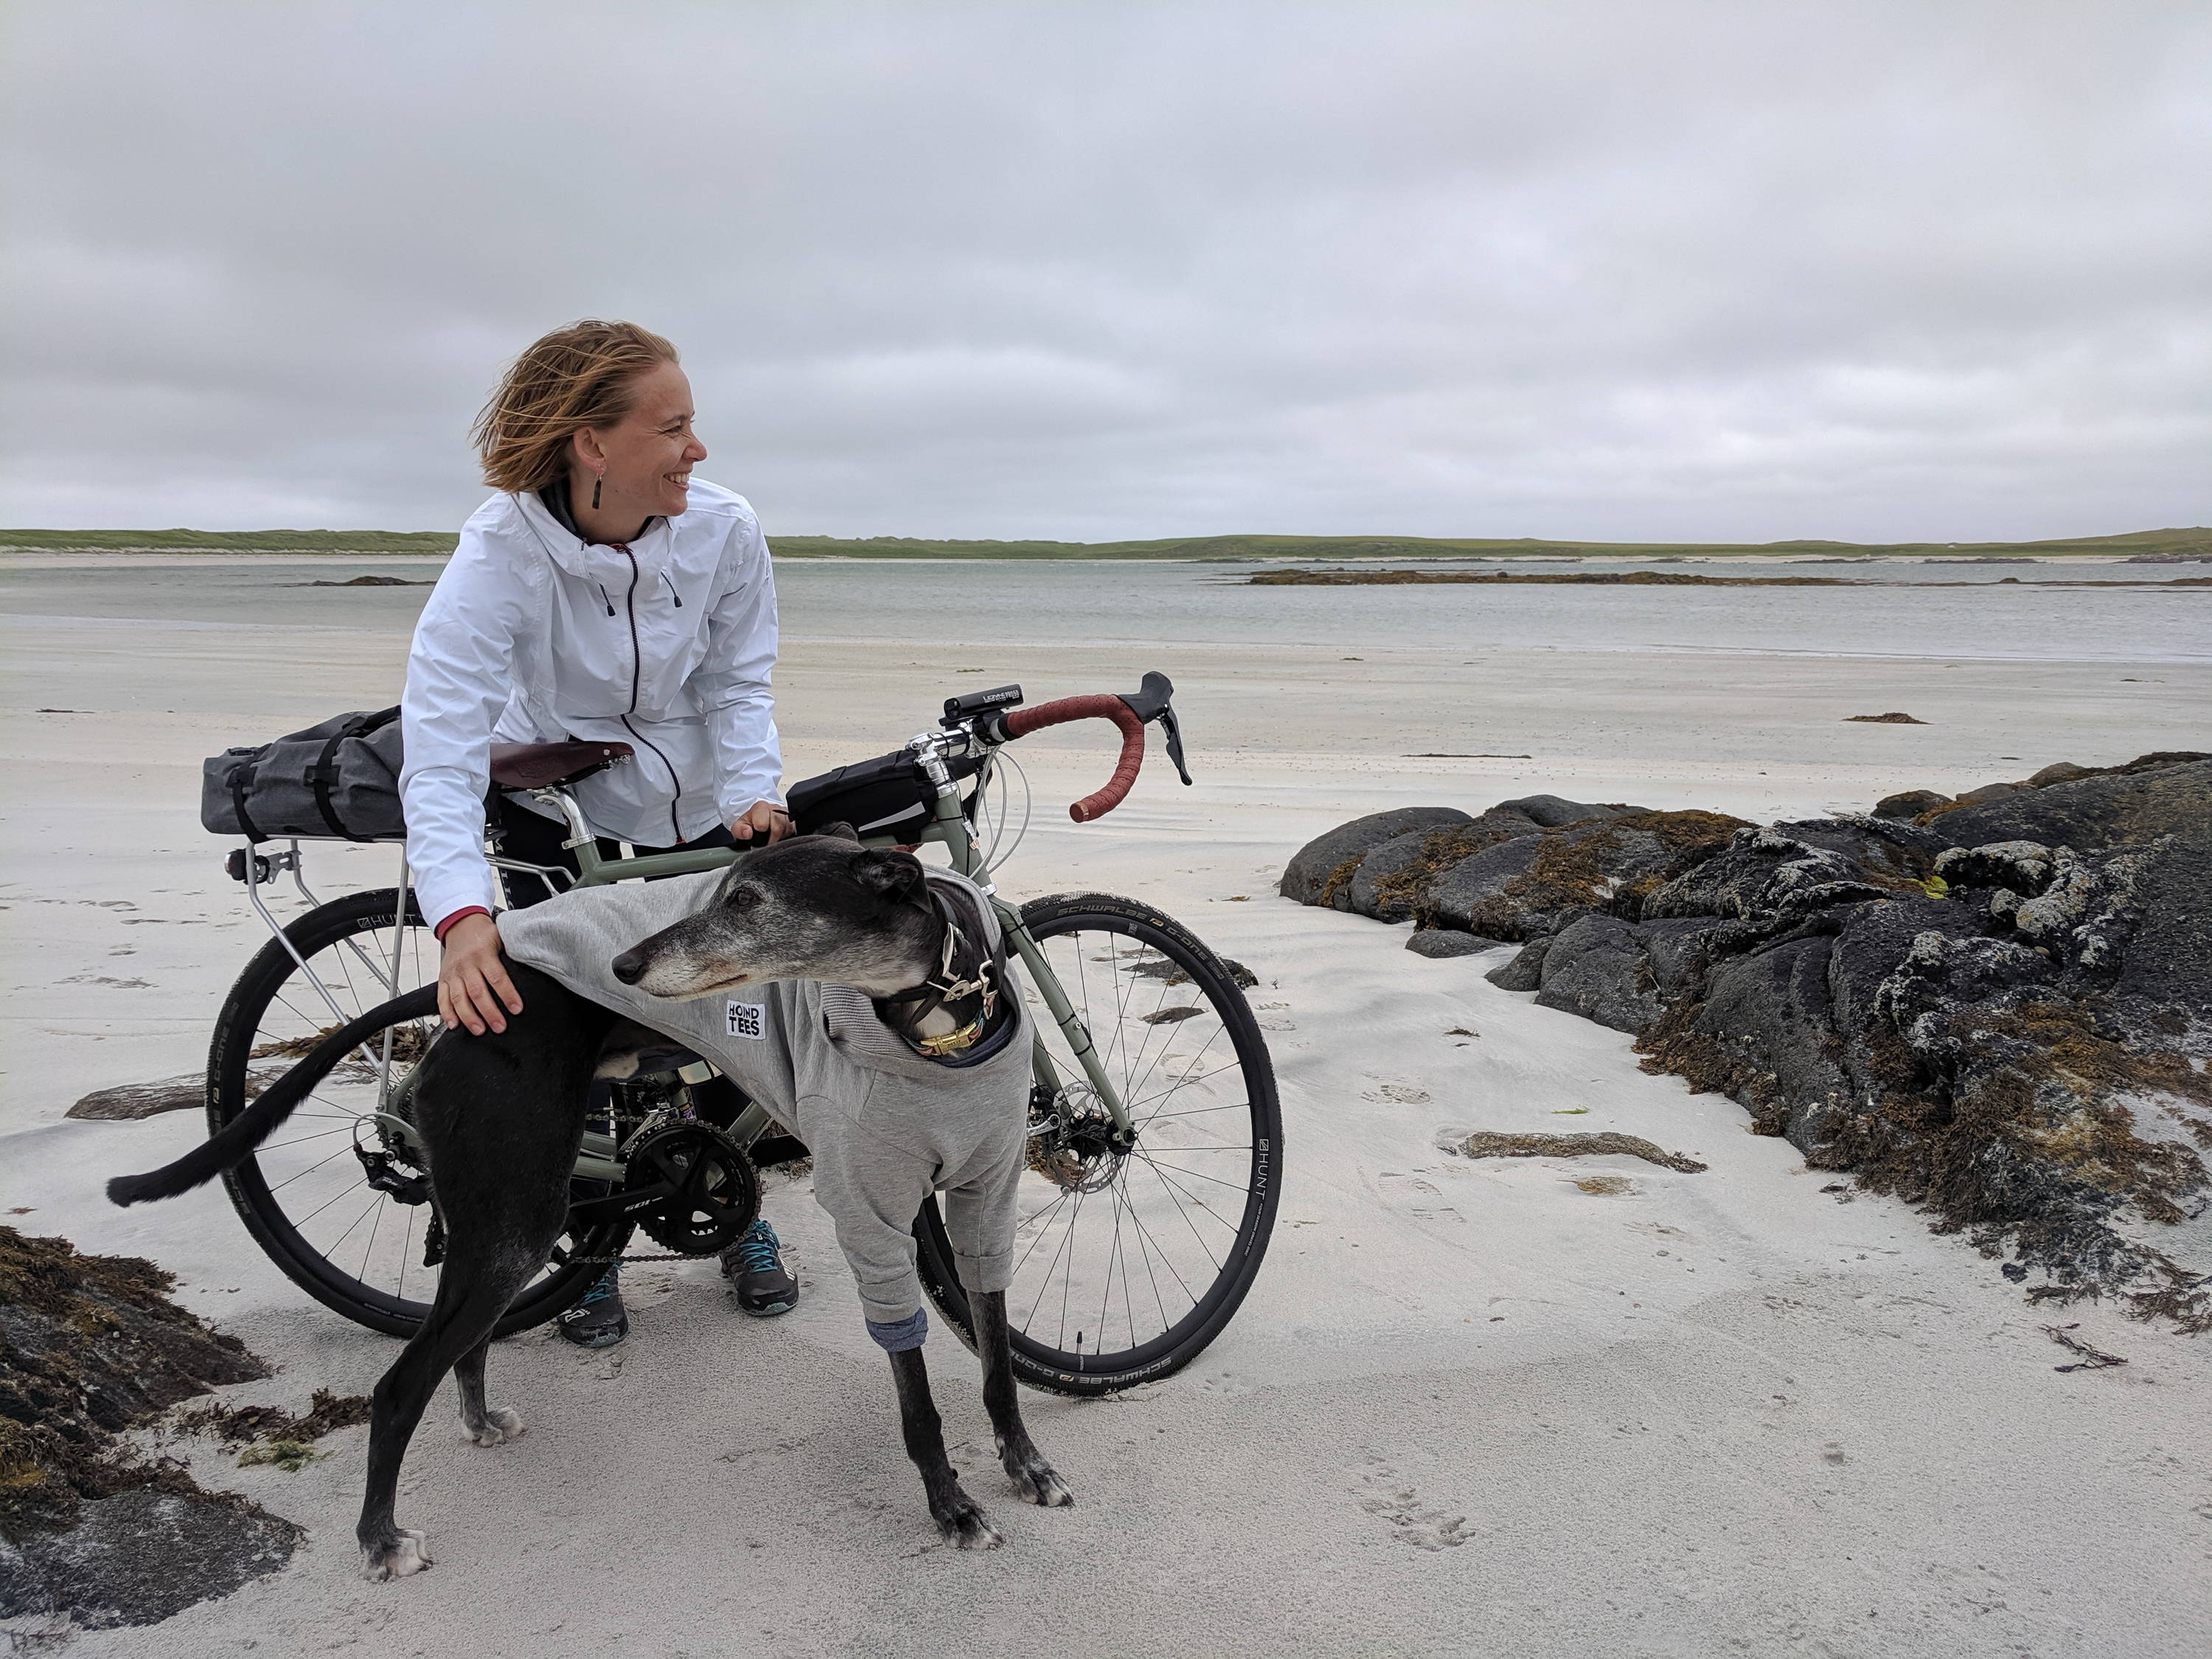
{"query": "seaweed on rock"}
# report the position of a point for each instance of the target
(91, 1345)
(2000, 1010)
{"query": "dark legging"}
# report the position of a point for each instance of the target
(533, 838)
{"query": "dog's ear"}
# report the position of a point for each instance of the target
(889, 875)
(839, 831)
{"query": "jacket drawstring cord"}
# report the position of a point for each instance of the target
(609, 604)
(673, 594)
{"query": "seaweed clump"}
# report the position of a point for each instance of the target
(90, 1347)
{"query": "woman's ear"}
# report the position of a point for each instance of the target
(891, 875)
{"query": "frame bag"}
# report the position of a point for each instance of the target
(338, 779)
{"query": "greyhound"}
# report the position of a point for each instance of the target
(501, 1116)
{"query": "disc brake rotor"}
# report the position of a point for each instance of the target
(1077, 1146)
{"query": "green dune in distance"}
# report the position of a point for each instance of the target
(2193, 541)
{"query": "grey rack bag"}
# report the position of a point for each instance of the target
(340, 778)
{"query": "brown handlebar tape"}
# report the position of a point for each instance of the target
(1103, 706)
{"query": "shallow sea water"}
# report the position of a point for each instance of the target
(1908, 615)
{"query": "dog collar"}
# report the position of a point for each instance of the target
(944, 984)
(952, 1042)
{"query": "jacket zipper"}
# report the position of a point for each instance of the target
(637, 669)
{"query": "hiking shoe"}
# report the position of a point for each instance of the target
(599, 1321)
(755, 1270)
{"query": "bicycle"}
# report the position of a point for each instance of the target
(1156, 1137)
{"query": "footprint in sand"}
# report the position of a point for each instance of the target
(1410, 1518)
(1403, 1094)
(1408, 1192)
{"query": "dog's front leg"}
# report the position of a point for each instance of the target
(957, 1516)
(1025, 1465)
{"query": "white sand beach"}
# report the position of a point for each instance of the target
(1469, 1408)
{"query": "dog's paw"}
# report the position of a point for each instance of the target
(966, 1526)
(408, 1553)
(1034, 1479)
(499, 1426)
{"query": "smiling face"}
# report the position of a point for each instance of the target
(643, 462)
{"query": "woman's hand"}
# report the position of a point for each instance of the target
(472, 982)
(763, 818)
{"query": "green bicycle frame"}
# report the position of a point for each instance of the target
(948, 827)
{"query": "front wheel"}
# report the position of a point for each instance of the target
(1128, 1262)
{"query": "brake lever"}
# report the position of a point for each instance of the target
(1174, 730)
(1151, 702)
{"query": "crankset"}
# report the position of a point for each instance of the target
(689, 1185)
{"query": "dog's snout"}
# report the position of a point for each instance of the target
(629, 967)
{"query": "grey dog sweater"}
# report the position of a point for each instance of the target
(887, 1126)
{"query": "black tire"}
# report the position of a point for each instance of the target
(271, 1012)
(1212, 1172)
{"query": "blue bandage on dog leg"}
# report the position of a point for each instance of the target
(899, 1335)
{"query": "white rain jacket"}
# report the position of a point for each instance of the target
(534, 636)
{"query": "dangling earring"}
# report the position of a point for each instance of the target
(596, 482)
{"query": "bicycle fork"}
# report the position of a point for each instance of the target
(951, 828)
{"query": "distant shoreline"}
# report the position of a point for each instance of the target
(2160, 546)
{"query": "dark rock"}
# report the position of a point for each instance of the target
(2164, 974)
(1365, 894)
(1404, 881)
(1453, 896)
(1888, 853)
(1596, 967)
(1998, 1009)
(1525, 971)
(1328, 862)
(2129, 806)
(1992, 792)
(1910, 803)
(90, 1345)
(1895, 717)
(1538, 885)
(1941, 972)
(141, 1557)
(1442, 941)
(1679, 949)
(1556, 812)
(1762, 1035)
(1760, 873)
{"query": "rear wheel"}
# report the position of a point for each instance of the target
(337, 1200)
(1130, 1260)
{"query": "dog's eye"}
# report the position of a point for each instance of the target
(744, 899)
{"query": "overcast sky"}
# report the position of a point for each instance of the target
(1642, 269)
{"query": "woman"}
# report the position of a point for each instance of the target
(602, 594)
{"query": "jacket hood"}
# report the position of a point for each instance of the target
(593, 562)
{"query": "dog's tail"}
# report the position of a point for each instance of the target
(254, 1125)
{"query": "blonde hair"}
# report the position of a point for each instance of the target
(575, 377)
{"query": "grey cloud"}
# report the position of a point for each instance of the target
(1104, 270)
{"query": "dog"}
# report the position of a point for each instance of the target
(500, 1118)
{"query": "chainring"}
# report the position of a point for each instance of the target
(717, 1194)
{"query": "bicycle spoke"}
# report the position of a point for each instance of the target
(327, 1202)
